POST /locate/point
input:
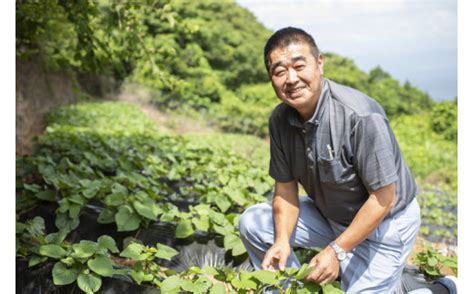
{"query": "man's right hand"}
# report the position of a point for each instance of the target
(276, 256)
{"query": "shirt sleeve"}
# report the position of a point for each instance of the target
(279, 167)
(375, 160)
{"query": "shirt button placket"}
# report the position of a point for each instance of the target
(309, 150)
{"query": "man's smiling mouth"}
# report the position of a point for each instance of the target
(296, 90)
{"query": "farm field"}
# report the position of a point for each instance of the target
(102, 178)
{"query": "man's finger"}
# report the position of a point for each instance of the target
(322, 277)
(268, 261)
(282, 262)
(328, 280)
(314, 275)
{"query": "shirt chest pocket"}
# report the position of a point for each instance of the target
(333, 172)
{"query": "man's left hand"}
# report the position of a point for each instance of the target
(325, 267)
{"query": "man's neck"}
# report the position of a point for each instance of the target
(308, 112)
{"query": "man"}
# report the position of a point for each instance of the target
(337, 143)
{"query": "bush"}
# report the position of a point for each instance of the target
(444, 120)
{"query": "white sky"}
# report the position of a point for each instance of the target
(413, 40)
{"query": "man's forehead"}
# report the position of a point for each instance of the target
(291, 51)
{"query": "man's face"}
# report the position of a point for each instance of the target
(297, 76)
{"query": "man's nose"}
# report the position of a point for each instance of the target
(292, 76)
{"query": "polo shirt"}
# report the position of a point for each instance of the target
(344, 150)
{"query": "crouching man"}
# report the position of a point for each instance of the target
(337, 143)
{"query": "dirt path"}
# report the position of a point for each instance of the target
(167, 122)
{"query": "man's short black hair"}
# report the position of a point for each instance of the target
(286, 36)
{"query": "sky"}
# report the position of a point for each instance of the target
(414, 40)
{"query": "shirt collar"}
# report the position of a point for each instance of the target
(294, 118)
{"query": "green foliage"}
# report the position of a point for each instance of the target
(423, 150)
(344, 71)
(443, 120)
(205, 54)
(85, 262)
(237, 116)
(378, 84)
(431, 262)
(87, 153)
(438, 212)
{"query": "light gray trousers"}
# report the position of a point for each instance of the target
(374, 266)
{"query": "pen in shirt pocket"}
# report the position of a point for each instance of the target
(330, 151)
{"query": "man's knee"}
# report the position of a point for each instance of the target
(254, 220)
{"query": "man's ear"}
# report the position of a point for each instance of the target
(321, 63)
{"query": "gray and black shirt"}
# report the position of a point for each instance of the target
(344, 150)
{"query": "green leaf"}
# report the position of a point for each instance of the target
(35, 226)
(134, 251)
(208, 270)
(201, 223)
(165, 252)
(106, 216)
(107, 242)
(52, 250)
(223, 203)
(239, 249)
(332, 288)
(85, 249)
(184, 229)
(115, 199)
(218, 288)
(33, 188)
(149, 210)
(224, 230)
(230, 241)
(432, 261)
(266, 277)
(126, 220)
(101, 265)
(195, 270)
(432, 272)
(244, 284)
(171, 284)
(36, 259)
(20, 227)
(137, 276)
(303, 271)
(291, 271)
(188, 286)
(64, 223)
(69, 261)
(63, 205)
(55, 238)
(92, 190)
(77, 199)
(89, 283)
(118, 188)
(168, 216)
(74, 210)
(202, 284)
(47, 195)
(62, 275)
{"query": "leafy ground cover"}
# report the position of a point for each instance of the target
(109, 155)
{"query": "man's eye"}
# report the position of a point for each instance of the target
(299, 67)
(279, 73)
